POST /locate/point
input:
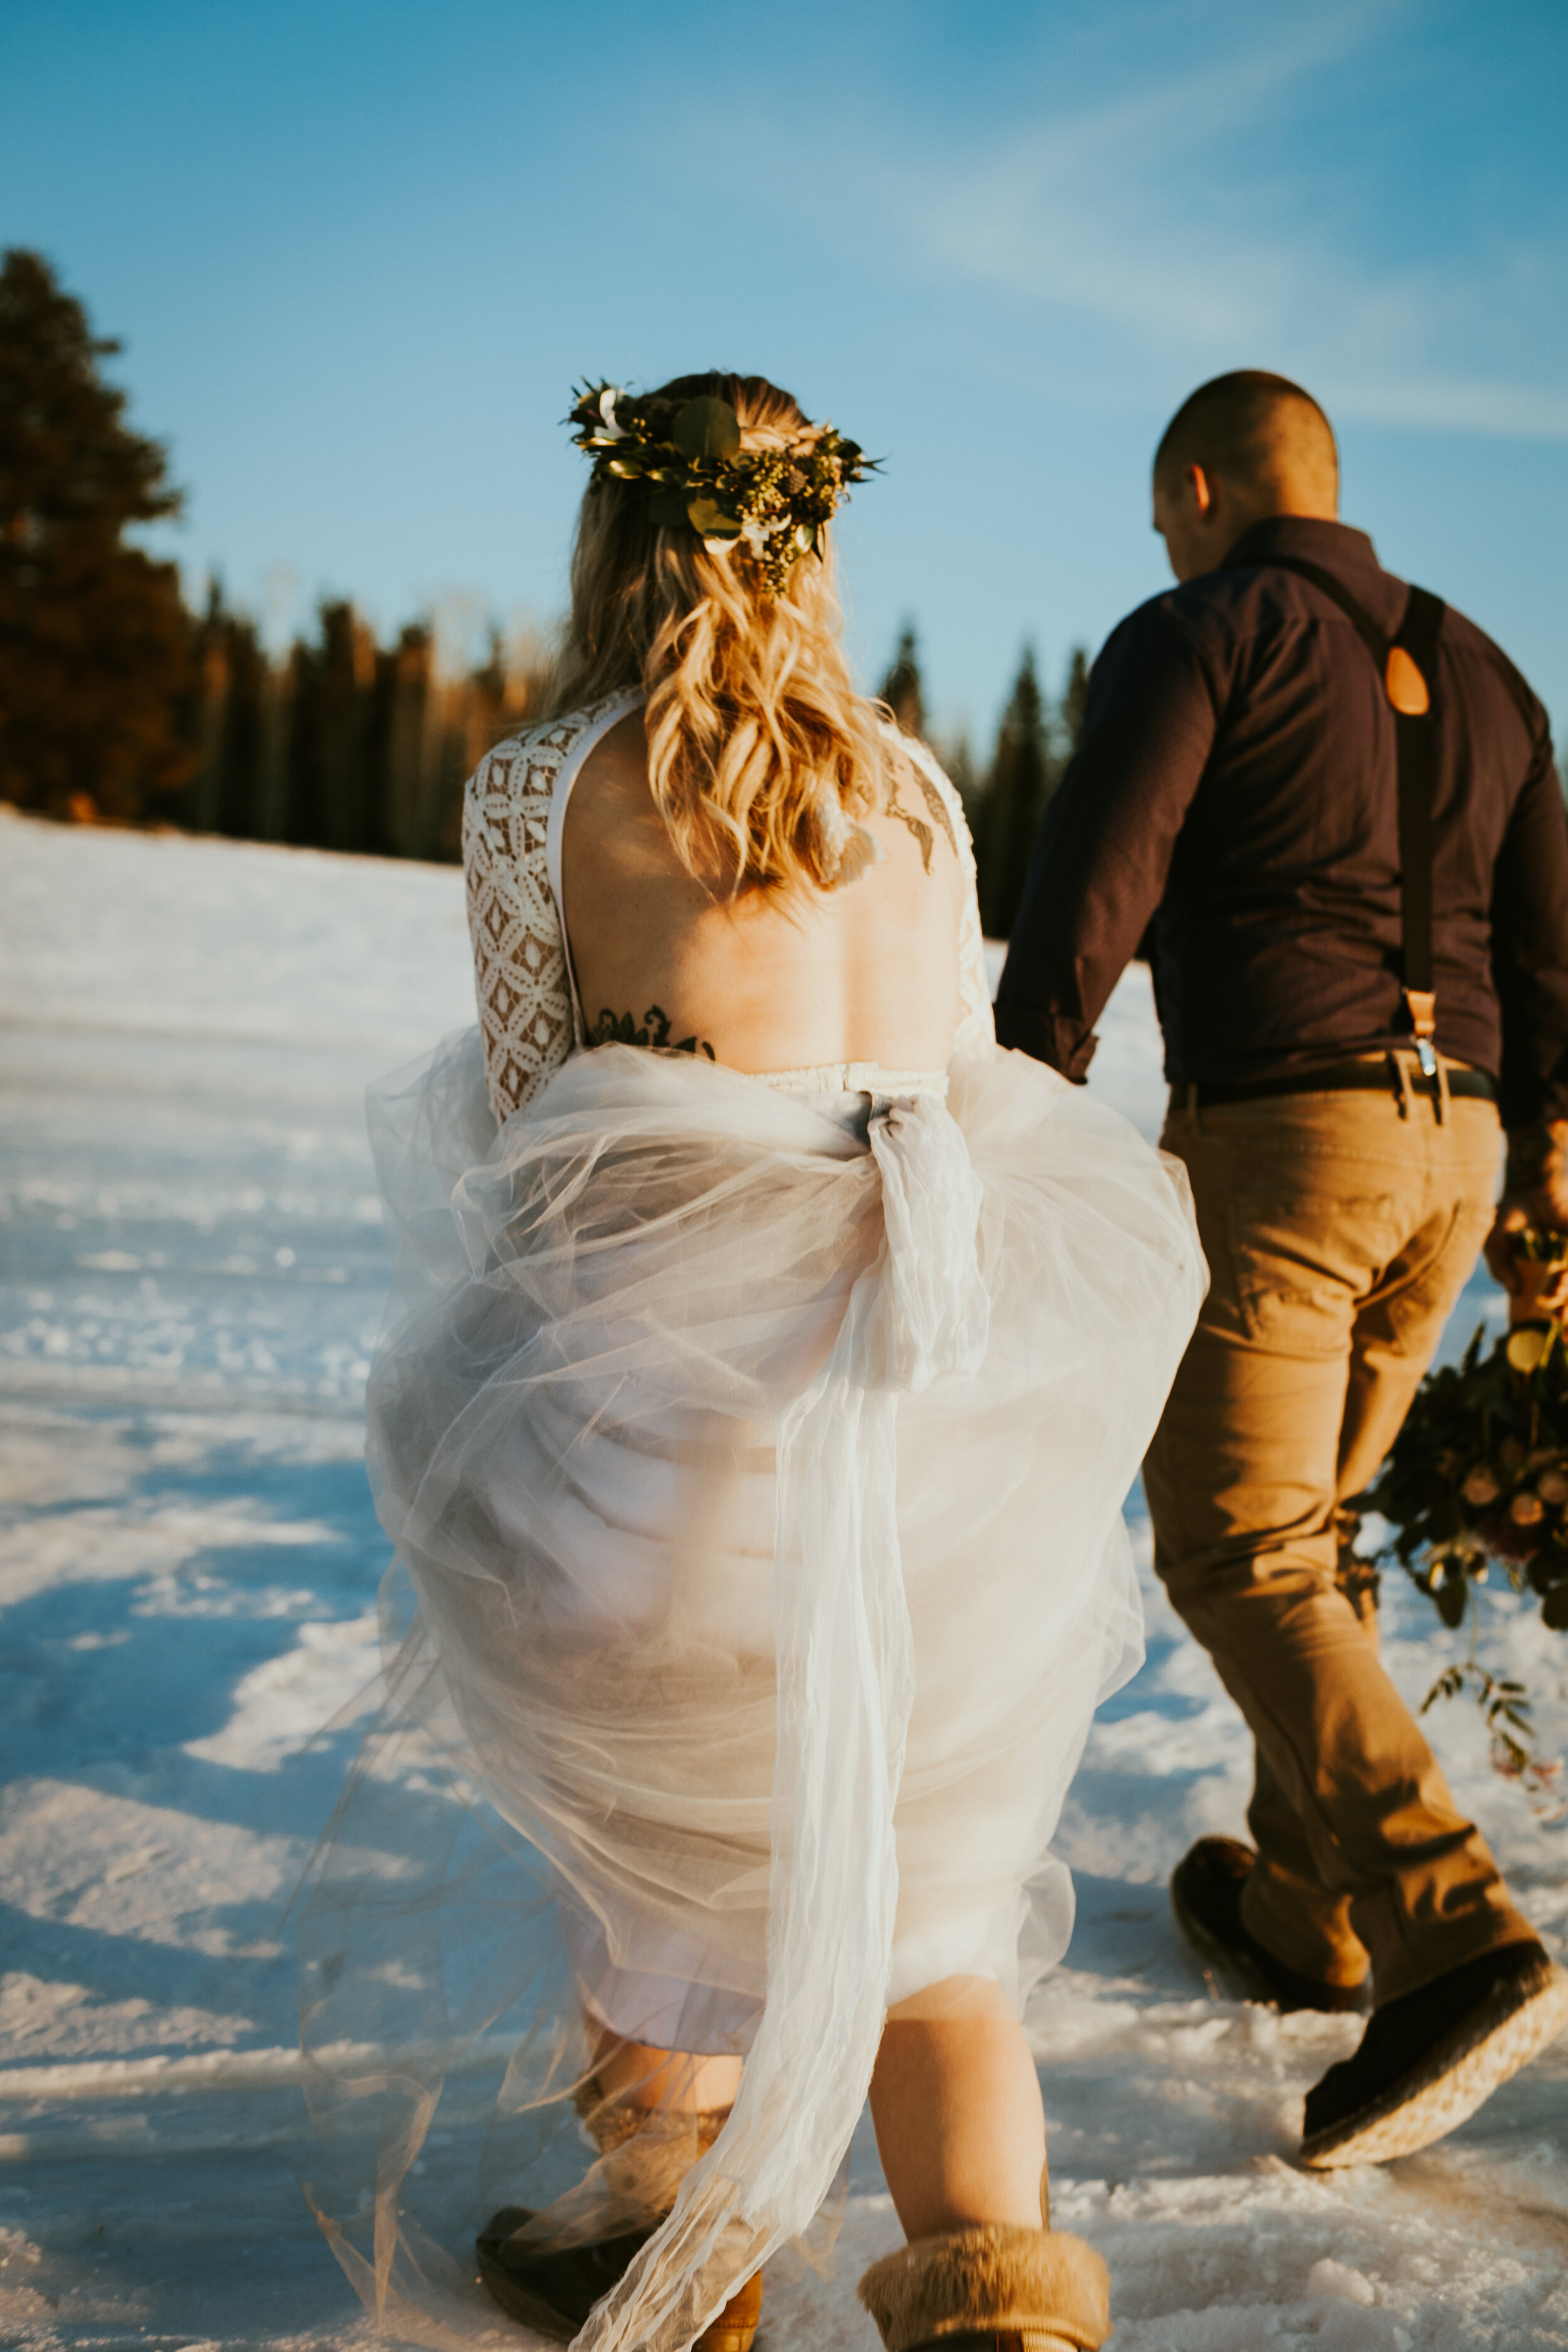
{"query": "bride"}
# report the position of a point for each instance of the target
(769, 1359)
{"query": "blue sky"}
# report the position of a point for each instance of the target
(358, 254)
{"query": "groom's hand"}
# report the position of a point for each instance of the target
(1535, 1194)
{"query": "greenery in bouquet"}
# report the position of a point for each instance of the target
(1478, 1479)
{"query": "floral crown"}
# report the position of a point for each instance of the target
(689, 454)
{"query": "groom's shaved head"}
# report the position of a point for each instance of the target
(1259, 432)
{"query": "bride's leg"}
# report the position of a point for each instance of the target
(637, 2075)
(956, 2103)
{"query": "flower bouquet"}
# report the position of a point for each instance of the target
(1478, 1478)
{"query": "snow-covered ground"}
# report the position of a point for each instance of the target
(191, 1270)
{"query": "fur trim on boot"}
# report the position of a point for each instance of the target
(1048, 2291)
(610, 2122)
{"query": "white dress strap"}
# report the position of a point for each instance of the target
(555, 825)
(521, 977)
(976, 1037)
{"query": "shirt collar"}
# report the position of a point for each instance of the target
(1305, 535)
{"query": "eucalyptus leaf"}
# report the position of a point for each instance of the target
(706, 427)
(709, 519)
(667, 510)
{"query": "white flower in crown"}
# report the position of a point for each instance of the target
(607, 399)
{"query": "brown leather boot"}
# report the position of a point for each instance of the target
(554, 2288)
(991, 2289)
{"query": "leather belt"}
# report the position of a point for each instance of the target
(1386, 1076)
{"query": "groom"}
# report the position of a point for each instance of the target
(1354, 855)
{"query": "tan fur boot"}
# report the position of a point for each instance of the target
(991, 2289)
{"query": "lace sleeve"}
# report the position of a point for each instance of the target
(976, 1037)
(520, 966)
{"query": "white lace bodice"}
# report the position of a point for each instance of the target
(523, 976)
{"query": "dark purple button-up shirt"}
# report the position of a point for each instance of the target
(1236, 787)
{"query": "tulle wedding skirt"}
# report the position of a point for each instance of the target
(754, 1464)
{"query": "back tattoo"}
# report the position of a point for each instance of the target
(620, 1029)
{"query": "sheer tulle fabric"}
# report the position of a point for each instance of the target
(755, 1464)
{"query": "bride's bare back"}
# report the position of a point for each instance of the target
(775, 979)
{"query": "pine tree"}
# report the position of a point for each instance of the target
(206, 717)
(1023, 776)
(332, 795)
(1074, 699)
(902, 689)
(249, 683)
(94, 640)
(959, 763)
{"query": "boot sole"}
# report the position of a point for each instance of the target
(527, 2309)
(734, 2329)
(1002, 2339)
(1460, 2075)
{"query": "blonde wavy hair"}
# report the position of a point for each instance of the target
(760, 752)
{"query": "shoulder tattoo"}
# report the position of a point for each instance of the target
(936, 808)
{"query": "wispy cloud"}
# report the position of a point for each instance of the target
(1453, 405)
(1083, 208)
(1132, 214)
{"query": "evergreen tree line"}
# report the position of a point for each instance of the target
(118, 702)
(1005, 800)
(343, 743)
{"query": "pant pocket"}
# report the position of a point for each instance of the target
(1415, 1312)
(1303, 1262)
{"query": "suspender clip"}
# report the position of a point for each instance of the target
(1421, 1003)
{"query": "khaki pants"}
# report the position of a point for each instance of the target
(1338, 1233)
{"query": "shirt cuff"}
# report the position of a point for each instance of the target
(1063, 1045)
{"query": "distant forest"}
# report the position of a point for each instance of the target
(118, 704)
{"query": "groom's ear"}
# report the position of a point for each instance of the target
(1198, 481)
(1188, 490)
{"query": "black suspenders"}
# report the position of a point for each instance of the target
(1406, 663)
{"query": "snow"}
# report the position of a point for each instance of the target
(191, 1274)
